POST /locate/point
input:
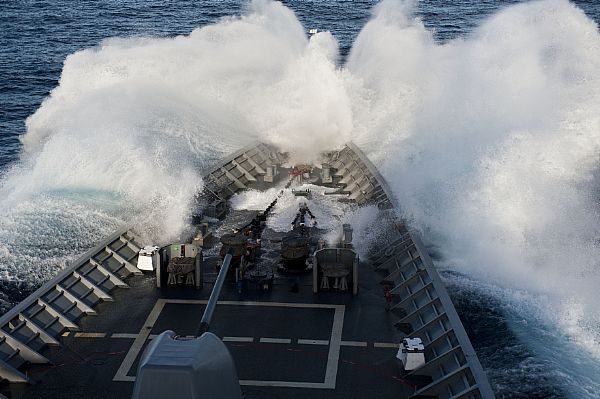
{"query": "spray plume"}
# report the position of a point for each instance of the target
(490, 142)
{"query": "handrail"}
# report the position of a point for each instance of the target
(24, 304)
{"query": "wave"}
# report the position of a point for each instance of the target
(491, 145)
(490, 142)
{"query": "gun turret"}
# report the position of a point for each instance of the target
(201, 367)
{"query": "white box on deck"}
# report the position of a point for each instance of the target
(411, 353)
(148, 258)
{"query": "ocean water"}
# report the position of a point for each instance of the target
(481, 115)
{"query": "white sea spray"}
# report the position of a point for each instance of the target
(490, 142)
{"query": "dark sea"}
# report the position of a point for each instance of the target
(36, 36)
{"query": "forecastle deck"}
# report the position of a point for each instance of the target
(284, 343)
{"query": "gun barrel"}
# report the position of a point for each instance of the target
(214, 296)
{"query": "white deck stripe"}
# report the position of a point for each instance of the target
(252, 303)
(354, 343)
(89, 335)
(362, 344)
(385, 345)
(313, 342)
(334, 348)
(238, 339)
(286, 384)
(124, 335)
(139, 342)
(275, 341)
(332, 360)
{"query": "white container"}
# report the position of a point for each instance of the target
(148, 258)
(411, 353)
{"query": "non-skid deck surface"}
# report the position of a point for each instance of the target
(285, 344)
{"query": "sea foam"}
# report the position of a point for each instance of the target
(490, 142)
(492, 145)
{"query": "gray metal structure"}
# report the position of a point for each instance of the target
(200, 368)
(358, 178)
(54, 308)
(214, 296)
(420, 304)
(237, 172)
(420, 300)
(190, 368)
